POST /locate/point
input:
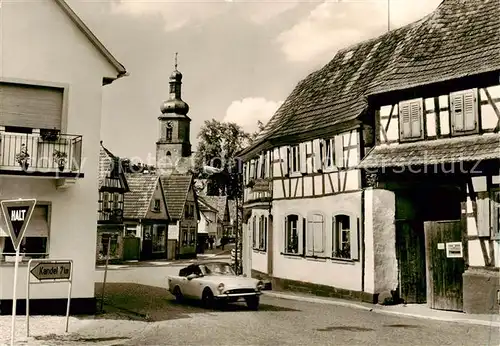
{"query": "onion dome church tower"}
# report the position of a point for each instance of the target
(173, 146)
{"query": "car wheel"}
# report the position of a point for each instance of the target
(178, 294)
(207, 298)
(253, 303)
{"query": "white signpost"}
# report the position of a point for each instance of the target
(48, 271)
(17, 214)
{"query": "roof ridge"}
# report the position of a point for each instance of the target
(66, 8)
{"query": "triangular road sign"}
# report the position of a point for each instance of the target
(17, 214)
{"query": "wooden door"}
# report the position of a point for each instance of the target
(445, 249)
(410, 250)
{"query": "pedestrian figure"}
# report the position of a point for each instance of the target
(211, 242)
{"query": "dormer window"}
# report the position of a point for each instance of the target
(411, 119)
(463, 111)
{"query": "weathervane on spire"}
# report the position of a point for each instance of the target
(176, 60)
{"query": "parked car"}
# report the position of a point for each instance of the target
(215, 283)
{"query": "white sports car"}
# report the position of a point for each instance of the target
(215, 282)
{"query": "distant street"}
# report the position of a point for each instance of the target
(284, 322)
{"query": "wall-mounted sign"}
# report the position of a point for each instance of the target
(440, 246)
(261, 185)
(454, 250)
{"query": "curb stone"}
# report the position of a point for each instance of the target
(383, 311)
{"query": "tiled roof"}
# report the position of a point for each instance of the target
(459, 38)
(105, 164)
(217, 202)
(459, 149)
(137, 201)
(176, 187)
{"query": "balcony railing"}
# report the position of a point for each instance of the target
(110, 216)
(31, 154)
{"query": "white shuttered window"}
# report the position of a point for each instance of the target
(464, 111)
(411, 119)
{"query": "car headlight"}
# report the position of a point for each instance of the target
(221, 287)
(260, 285)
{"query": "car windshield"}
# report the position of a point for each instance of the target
(218, 269)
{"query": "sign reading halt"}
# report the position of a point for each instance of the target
(17, 214)
(52, 271)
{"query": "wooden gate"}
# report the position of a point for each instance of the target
(445, 251)
(410, 252)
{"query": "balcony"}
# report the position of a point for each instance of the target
(110, 216)
(30, 154)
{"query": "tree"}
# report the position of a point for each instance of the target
(135, 167)
(260, 128)
(219, 142)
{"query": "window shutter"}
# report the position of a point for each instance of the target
(302, 158)
(483, 214)
(319, 235)
(310, 239)
(262, 167)
(284, 159)
(457, 105)
(353, 237)
(254, 232)
(495, 211)
(317, 155)
(469, 111)
(286, 235)
(404, 118)
(247, 172)
(268, 164)
(416, 119)
(339, 151)
(265, 233)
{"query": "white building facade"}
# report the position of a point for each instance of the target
(377, 179)
(51, 80)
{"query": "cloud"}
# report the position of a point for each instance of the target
(248, 111)
(262, 11)
(175, 13)
(333, 25)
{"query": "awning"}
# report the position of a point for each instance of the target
(37, 227)
(432, 152)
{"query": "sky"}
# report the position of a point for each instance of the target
(240, 59)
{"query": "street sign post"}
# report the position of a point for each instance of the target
(48, 271)
(17, 215)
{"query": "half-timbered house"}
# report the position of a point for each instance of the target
(184, 212)
(146, 216)
(377, 178)
(112, 187)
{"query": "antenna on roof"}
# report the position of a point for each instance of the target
(388, 15)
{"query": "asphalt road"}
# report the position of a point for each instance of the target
(285, 322)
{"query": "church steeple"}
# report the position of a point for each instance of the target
(174, 126)
(175, 104)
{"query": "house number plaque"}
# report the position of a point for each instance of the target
(454, 250)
